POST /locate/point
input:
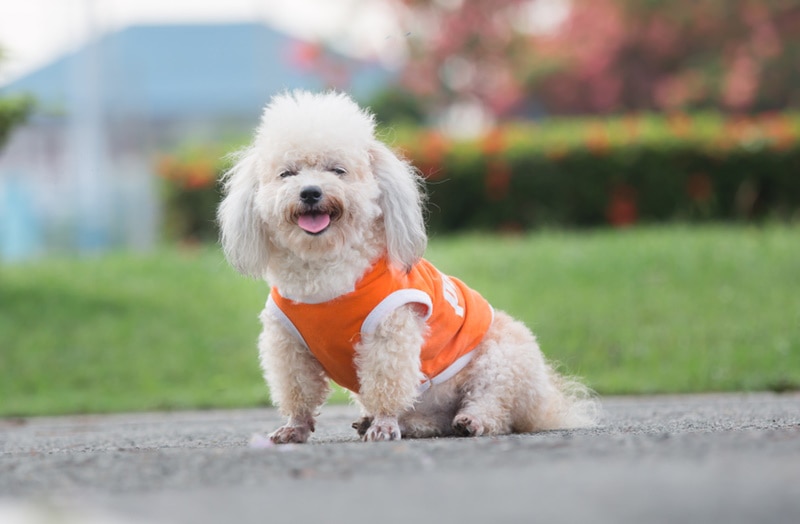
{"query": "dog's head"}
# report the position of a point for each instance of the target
(316, 181)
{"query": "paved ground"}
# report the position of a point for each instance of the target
(708, 458)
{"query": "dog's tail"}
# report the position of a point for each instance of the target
(544, 399)
(574, 406)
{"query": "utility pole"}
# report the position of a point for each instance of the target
(87, 141)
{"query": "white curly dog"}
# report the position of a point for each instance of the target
(333, 221)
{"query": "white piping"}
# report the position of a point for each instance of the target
(399, 298)
(278, 313)
(448, 373)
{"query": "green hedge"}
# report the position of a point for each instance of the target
(191, 191)
(565, 172)
(588, 172)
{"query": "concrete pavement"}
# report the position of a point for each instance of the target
(701, 458)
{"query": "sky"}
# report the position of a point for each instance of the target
(35, 32)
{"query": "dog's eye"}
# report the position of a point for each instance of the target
(287, 172)
(338, 170)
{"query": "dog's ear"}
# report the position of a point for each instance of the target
(401, 202)
(242, 233)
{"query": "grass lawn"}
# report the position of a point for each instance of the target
(646, 310)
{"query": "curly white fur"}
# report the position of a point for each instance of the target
(309, 206)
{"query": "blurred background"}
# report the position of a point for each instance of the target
(134, 99)
(667, 116)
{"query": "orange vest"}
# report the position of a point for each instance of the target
(457, 318)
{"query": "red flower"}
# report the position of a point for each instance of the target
(699, 187)
(494, 142)
(622, 209)
(305, 55)
(779, 129)
(434, 148)
(498, 179)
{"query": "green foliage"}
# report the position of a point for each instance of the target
(13, 112)
(192, 191)
(394, 106)
(562, 172)
(643, 310)
(595, 171)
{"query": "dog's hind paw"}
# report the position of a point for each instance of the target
(290, 434)
(382, 428)
(467, 426)
(362, 425)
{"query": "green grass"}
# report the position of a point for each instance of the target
(128, 332)
(668, 309)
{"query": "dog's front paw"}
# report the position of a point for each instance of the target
(467, 426)
(382, 428)
(290, 434)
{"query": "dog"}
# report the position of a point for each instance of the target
(332, 219)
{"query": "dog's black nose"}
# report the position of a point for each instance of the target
(311, 194)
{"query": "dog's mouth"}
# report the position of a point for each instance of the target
(314, 218)
(314, 223)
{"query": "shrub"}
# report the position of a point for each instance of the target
(191, 192)
(564, 172)
(13, 112)
(595, 171)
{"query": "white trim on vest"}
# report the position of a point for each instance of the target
(451, 370)
(448, 373)
(285, 321)
(401, 297)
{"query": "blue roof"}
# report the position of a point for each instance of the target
(166, 71)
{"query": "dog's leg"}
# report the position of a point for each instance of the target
(297, 382)
(507, 370)
(483, 409)
(388, 371)
(433, 412)
(510, 387)
(295, 431)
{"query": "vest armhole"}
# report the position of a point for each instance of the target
(401, 297)
(273, 309)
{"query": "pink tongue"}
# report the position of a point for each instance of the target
(313, 223)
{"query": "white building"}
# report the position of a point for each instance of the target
(79, 174)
